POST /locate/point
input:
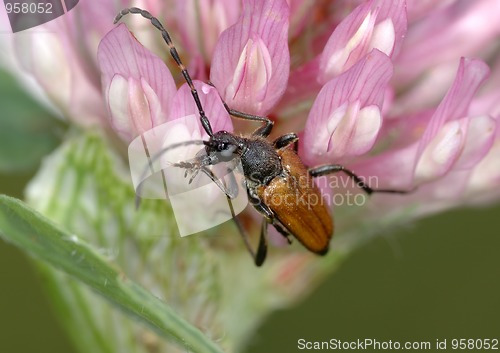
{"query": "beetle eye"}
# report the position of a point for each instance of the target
(227, 152)
(223, 146)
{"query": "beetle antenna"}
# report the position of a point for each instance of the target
(166, 37)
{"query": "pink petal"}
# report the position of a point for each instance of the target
(348, 41)
(422, 8)
(119, 53)
(443, 141)
(439, 37)
(488, 103)
(49, 62)
(384, 36)
(442, 151)
(198, 29)
(395, 12)
(350, 102)
(253, 72)
(455, 105)
(350, 131)
(481, 134)
(134, 107)
(186, 128)
(486, 175)
(365, 132)
(184, 105)
(251, 61)
(118, 107)
(374, 24)
(139, 107)
(489, 100)
(90, 24)
(426, 92)
(439, 194)
(394, 169)
(156, 112)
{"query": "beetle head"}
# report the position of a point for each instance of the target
(223, 146)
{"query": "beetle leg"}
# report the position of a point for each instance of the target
(335, 168)
(260, 256)
(285, 140)
(283, 231)
(269, 216)
(268, 219)
(233, 185)
(261, 253)
(230, 192)
(242, 231)
(262, 208)
(262, 131)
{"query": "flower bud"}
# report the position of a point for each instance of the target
(251, 61)
(346, 116)
(374, 24)
(138, 87)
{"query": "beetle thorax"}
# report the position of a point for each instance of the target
(260, 161)
(258, 157)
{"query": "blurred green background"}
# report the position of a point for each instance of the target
(437, 279)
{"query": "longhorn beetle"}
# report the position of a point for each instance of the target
(272, 171)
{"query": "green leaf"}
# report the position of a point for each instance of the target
(27, 131)
(30, 231)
